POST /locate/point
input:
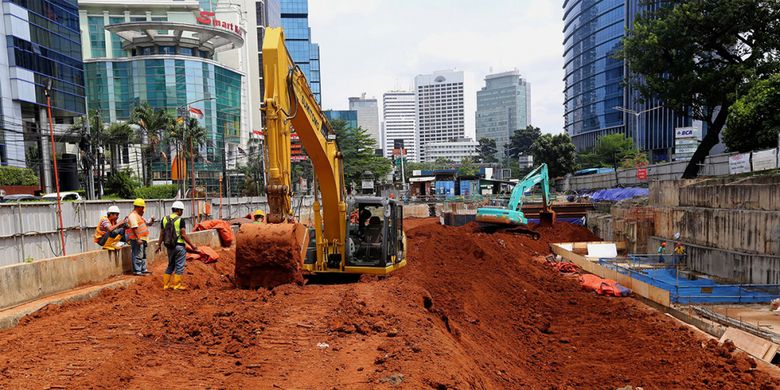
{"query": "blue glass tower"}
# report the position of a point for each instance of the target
(297, 33)
(594, 78)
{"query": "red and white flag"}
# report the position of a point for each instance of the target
(196, 113)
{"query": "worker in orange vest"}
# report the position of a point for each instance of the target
(138, 235)
(110, 232)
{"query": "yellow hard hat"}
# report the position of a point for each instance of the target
(260, 213)
(139, 203)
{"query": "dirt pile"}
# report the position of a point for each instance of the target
(471, 310)
(269, 255)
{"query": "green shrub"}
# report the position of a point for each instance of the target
(163, 191)
(122, 184)
(12, 176)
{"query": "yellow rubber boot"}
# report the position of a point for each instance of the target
(167, 282)
(177, 284)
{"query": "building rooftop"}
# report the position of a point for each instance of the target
(210, 37)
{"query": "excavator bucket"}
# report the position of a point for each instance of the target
(547, 217)
(269, 255)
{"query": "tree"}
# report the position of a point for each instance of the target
(611, 149)
(122, 183)
(521, 140)
(467, 167)
(557, 151)
(116, 135)
(696, 55)
(253, 184)
(487, 150)
(357, 147)
(756, 113)
(152, 123)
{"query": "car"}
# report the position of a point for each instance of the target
(63, 195)
(19, 198)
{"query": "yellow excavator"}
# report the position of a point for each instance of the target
(351, 235)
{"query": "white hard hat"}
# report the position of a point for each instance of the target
(113, 209)
(178, 205)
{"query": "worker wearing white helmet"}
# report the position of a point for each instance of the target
(110, 232)
(173, 236)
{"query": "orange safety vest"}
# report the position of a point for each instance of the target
(99, 232)
(142, 230)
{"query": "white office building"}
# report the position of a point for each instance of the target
(398, 108)
(440, 108)
(367, 116)
(454, 150)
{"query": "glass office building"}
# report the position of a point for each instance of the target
(173, 69)
(594, 79)
(349, 116)
(297, 38)
(43, 46)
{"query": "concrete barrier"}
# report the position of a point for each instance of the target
(24, 282)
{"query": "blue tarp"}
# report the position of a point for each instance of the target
(616, 194)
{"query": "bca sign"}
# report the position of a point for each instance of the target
(687, 132)
(208, 17)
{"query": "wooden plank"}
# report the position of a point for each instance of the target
(753, 345)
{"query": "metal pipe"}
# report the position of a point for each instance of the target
(47, 91)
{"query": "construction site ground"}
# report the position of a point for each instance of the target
(471, 310)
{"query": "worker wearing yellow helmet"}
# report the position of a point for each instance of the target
(138, 235)
(258, 216)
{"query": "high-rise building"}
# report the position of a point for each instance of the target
(399, 113)
(176, 68)
(43, 48)
(454, 150)
(503, 106)
(349, 116)
(595, 93)
(367, 115)
(297, 38)
(440, 108)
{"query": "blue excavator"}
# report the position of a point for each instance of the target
(512, 219)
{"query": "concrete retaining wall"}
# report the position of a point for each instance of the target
(24, 282)
(735, 266)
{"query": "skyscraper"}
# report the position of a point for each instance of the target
(348, 116)
(297, 38)
(593, 33)
(367, 116)
(43, 46)
(399, 112)
(440, 108)
(503, 106)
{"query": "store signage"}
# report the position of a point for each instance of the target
(685, 149)
(209, 18)
(739, 163)
(641, 173)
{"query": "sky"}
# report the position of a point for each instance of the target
(374, 46)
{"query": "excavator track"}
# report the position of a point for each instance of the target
(511, 229)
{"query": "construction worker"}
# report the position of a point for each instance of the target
(259, 216)
(138, 235)
(177, 253)
(679, 252)
(110, 232)
(661, 249)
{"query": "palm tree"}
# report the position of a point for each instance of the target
(152, 122)
(188, 137)
(116, 135)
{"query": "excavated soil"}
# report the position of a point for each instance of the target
(471, 310)
(268, 255)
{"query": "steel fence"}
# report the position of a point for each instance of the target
(30, 231)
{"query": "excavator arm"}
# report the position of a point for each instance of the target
(272, 254)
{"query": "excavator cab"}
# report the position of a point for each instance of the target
(375, 235)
